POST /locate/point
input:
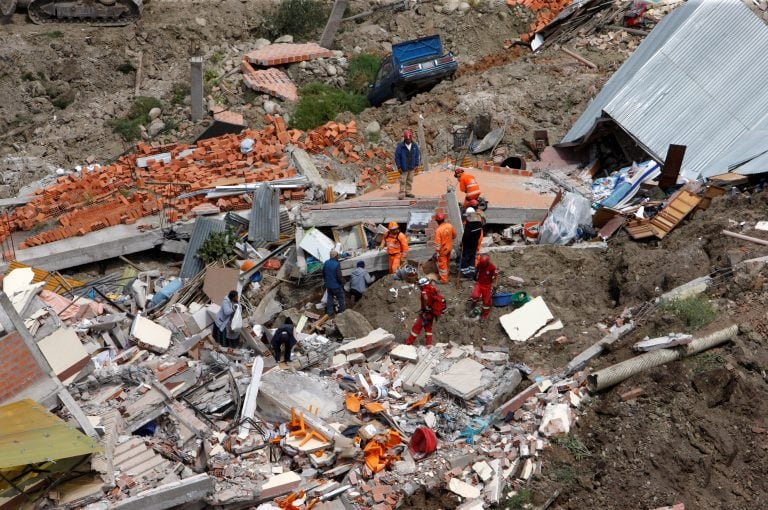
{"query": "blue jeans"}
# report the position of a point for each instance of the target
(339, 295)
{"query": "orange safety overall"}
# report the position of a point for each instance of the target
(468, 184)
(444, 236)
(397, 249)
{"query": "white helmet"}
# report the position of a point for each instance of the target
(470, 210)
(423, 281)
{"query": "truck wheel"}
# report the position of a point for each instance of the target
(400, 94)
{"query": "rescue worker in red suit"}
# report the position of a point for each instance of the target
(426, 318)
(467, 184)
(397, 247)
(486, 275)
(444, 236)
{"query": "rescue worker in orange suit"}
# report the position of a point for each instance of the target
(444, 236)
(397, 247)
(467, 184)
(426, 318)
(486, 276)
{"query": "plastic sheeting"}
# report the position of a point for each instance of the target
(562, 224)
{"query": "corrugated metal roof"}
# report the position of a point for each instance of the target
(265, 215)
(203, 228)
(697, 80)
(30, 434)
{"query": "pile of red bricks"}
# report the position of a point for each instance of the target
(545, 10)
(124, 192)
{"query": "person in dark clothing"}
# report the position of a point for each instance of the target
(283, 337)
(334, 285)
(473, 229)
(407, 158)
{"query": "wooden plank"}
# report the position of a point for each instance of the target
(672, 164)
(332, 25)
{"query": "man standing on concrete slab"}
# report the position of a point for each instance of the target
(284, 338)
(407, 158)
(430, 307)
(359, 281)
(444, 236)
(468, 184)
(487, 276)
(223, 320)
(333, 283)
(397, 247)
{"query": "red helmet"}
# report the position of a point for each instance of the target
(458, 170)
(407, 134)
(440, 216)
(483, 261)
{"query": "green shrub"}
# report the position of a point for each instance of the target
(220, 246)
(519, 500)
(126, 67)
(362, 71)
(128, 126)
(179, 92)
(320, 103)
(574, 445)
(299, 18)
(695, 311)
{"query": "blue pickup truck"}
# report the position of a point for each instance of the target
(413, 66)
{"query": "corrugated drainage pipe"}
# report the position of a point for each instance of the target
(612, 375)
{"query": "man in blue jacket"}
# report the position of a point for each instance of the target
(333, 283)
(407, 158)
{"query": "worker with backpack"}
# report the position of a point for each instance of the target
(432, 306)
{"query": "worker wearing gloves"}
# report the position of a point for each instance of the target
(397, 247)
(407, 158)
(284, 339)
(444, 236)
(334, 286)
(426, 318)
(487, 277)
(467, 184)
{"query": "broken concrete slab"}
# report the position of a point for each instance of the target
(483, 470)
(189, 490)
(404, 352)
(352, 324)
(150, 335)
(463, 489)
(463, 379)
(305, 166)
(65, 354)
(663, 342)
(524, 322)
(268, 308)
(317, 244)
(472, 504)
(375, 339)
(280, 484)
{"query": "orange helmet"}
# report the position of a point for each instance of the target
(440, 216)
(393, 225)
(483, 261)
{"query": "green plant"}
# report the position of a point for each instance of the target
(707, 361)
(27, 76)
(210, 74)
(64, 99)
(298, 18)
(217, 57)
(574, 445)
(170, 125)
(126, 67)
(321, 103)
(220, 246)
(362, 71)
(695, 311)
(518, 500)
(128, 126)
(565, 474)
(179, 92)
(53, 34)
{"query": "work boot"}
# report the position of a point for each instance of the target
(410, 195)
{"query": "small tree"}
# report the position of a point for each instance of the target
(220, 246)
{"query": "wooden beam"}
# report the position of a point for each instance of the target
(672, 164)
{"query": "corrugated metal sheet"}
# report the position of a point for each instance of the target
(697, 80)
(265, 215)
(30, 434)
(203, 228)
